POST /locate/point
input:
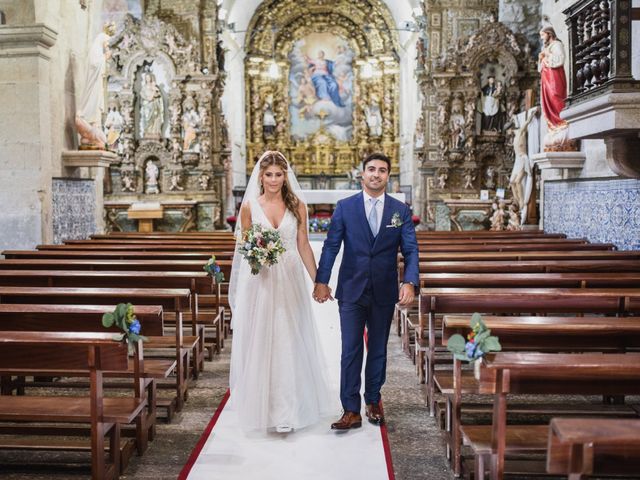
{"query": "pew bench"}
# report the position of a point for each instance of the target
(435, 302)
(581, 447)
(92, 353)
(507, 373)
(550, 334)
(170, 299)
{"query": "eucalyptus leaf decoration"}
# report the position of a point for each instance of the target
(479, 341)
(124, 318)
(213, 269)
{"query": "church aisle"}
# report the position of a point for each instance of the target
(315, 452)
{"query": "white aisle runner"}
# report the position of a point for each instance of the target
(312, 453)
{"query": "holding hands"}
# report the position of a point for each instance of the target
(322, 293)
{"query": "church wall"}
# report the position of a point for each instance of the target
(17, 12)
(38, 78)
(603, 211)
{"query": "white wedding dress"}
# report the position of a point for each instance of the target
(277, 365)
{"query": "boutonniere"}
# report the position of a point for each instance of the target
(396, 221)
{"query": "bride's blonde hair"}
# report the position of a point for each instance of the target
(291, 200)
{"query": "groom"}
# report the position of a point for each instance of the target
(372, 225)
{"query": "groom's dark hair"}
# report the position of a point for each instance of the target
(377, 156)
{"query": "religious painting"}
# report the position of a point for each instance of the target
(321, 83)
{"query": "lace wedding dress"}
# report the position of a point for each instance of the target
(277, 366)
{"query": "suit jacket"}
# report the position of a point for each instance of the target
(365, 258)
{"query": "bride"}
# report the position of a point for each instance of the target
(277, 367)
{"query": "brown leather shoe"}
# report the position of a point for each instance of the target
(375, 413)
(348, 421)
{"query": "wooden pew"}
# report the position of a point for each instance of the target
(88, 318)
(59, 353)
(529, 255)
(524, 266)
(142, 247)
(115, 255)
(173, 299)
(549, 334)
(211, 308)
(581, 447)
(198, 282)
(508, 373)
(437, 301)
(502, 280)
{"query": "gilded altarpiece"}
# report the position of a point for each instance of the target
(165, 122)
(322, 85)
(473, 91)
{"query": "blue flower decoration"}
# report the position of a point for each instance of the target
(135, 327)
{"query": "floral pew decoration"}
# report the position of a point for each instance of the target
(478, 342)
(125, 319)
(213, 269)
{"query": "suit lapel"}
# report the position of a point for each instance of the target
(386, 220)
(362, 215)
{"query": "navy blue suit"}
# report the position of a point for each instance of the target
(367, 288)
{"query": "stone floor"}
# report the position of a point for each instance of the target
(416, 443)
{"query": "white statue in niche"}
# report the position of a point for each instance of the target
(91, 106)
(152, 172)
(151, 108)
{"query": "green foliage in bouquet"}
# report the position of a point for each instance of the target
(124, 318)
(479, 341)
(213, 269)
(261, 246)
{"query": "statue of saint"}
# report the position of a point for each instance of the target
(91, 105)
(152, 173)
(151, 108)
(490, 106)
(553, 90)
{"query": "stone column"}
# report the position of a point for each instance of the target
(25, 135)
(94, 165)
(557, 166)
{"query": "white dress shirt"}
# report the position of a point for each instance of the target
(379, 206)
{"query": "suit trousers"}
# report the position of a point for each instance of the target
(353, 319)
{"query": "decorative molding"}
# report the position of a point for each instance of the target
(89, 158)
(27, 40)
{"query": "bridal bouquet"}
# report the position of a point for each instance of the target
(261, 246)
